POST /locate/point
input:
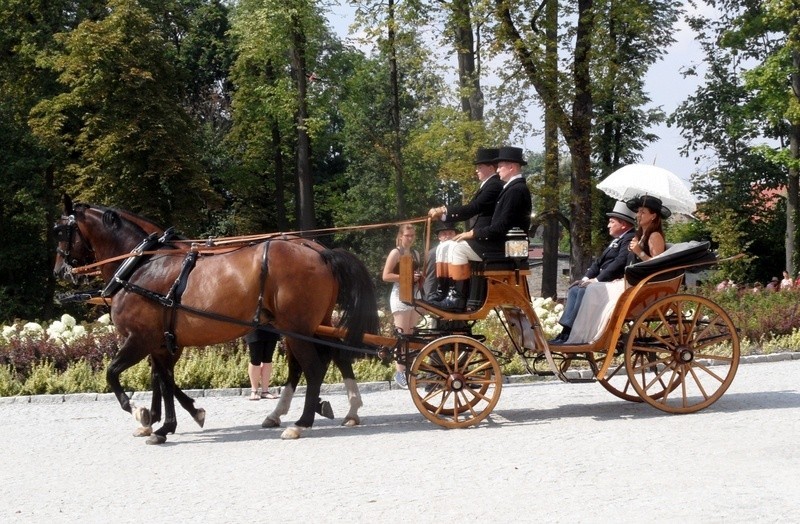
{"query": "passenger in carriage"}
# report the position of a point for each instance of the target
(513, 209)
(649, 240)
(444, 231)
(601, 297)
(477, 212)
(610, 265)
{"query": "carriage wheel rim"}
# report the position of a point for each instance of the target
(455, 381)
(693, 351)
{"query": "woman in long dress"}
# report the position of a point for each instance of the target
(601, 297)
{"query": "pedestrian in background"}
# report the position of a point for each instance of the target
(404, 315)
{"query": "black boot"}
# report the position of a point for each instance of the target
(477, 292)
(456, 298)
(438, 294)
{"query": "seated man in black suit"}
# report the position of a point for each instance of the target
(513, 209)
(478, 211)
(610, 265)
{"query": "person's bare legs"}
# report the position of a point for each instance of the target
(266, 376)
(254, 372)
(404, 321)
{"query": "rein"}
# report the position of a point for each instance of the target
(221, 245)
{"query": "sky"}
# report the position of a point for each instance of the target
(666, 86)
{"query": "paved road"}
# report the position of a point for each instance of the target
(550, 452)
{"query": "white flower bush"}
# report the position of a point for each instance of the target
(64, 330)
(548, 311)
(32, 330)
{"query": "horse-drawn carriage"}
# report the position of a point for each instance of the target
(674, 350)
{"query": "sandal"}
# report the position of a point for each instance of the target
(268, 394)
(254, 395)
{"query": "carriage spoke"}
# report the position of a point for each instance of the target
(455, 381)
(691, 344)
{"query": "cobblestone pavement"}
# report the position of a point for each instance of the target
(550, 452)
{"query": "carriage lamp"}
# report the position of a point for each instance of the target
(516, 243)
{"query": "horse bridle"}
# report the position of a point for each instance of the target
(65, 232)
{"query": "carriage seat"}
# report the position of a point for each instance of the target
(498, 261)
(677, 255)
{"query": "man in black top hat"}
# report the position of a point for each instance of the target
(478, 211)
(480, 208)
(513, 209)
(610, 265)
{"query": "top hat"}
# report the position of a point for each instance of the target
(441, 225)
(485, 156)
(511, 154)
(622, 212)
(650, 202)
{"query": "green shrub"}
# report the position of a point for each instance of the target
(9, 383)
(41, 379)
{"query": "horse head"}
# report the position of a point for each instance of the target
(72, 249)
(87, 234)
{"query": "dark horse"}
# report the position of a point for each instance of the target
(282, 283)
(342, 358)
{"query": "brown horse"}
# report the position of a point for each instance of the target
(341, 358)
(286, 284)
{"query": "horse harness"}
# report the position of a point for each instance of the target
(172, 300)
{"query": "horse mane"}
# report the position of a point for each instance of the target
(114, 219)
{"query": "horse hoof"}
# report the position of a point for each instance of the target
(142, 416)
(292, 433)
(143, 432)
(271, 423)
(156, 439)
(325, 409)
(200, 417)
(351, 422)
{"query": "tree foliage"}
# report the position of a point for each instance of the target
(729, 118)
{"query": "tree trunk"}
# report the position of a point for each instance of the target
(793, 182)
(580, 145)
(468, 62)
(305, 184)
(280, 196)
(576, 127)
(397, 148)
(550, 234)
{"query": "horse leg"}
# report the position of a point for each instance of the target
(323, 408)
(167, 383)
(147, 417)
(187, 402)
(129, 354)
(353, 394)
(273, 420)
(313, 369)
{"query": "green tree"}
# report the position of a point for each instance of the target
(279, 46)
(27, 204)
(570, 104)
(123, 136)
(722, 120)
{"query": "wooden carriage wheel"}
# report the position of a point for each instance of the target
(691, 351)
(455, 381)
(616, 380)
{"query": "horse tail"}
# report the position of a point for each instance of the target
(356, 297)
